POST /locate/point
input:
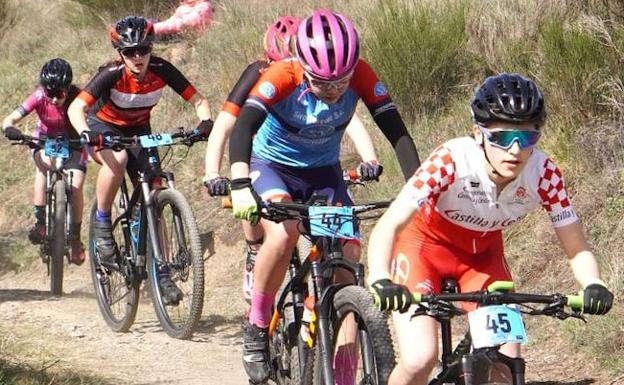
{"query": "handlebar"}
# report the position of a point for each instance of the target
(441, 305)
(36, 142)
(118, 142)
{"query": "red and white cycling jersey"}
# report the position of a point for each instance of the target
(459, 201)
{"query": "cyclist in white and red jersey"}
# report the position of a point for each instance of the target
(448, 219)
(300, 109)
(278, 42)
(50, 101)
(120, 98)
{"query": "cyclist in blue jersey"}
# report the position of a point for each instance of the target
(298, 111)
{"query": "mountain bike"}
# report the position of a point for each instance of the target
(59, 211)
(476, 359)
(155, 232)
(343, 316)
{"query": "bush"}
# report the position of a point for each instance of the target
(418, 49)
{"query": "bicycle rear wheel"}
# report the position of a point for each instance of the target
(361, 351)
(181, 251)
(116, 290)
(57, 242)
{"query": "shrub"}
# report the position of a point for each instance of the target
(418, 49)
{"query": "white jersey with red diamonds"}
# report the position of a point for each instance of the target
(453, 185)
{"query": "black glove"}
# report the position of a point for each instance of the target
(597, 299)
(93, 138)
(219, 186)
(369, 170)
(391, 296)
(12, 133)
(202, 131)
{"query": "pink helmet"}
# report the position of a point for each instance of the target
(327, 45)
(279, 37)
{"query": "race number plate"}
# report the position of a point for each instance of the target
(56, 148)
(332, 221)
(148, 141)
(492, 326)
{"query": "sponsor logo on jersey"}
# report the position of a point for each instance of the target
(562, 216)
(475, 196)
(520, 195)
(484, 223)
(380, 89)
(267, 89)
(474, 184)
(317, 131)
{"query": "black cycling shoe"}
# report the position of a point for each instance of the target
(256, 353)
(169, 291)
(105, 243)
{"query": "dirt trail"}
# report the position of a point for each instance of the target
(71, 330)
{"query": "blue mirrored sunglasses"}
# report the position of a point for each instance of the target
(505, 139)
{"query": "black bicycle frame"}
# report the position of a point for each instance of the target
(57, 172)
(144, 194)
(321, 269)
(460, 363)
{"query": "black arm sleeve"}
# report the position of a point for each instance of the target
(245, 83)
(395, 131)
(248, 122)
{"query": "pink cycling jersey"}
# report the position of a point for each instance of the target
(190, 14)
(460, 205)
(52, 119)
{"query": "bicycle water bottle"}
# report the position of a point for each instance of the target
(308, 322)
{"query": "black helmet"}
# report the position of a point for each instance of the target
(55, 74)
(509, 98)
(132, 31)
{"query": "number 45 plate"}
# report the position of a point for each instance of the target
(492, 326)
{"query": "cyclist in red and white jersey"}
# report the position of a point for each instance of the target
(50, 101)
(278, 42)
(120, 98)
(298, 111)
(448, 219)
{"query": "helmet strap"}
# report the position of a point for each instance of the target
(486, 156)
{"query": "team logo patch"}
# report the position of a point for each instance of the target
(380, 89)
(267, 90)
(520, 195)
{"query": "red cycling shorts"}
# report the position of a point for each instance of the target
(421, 260)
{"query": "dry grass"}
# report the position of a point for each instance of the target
(573, 49)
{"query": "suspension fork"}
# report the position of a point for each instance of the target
(179, 227)
(152, 220)
(298, 291)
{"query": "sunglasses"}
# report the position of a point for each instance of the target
(505, 139)
(326, 85)
(135, 51)
(58, 93)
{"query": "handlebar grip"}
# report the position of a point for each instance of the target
(417, 298)
(574, 302)
(226, 202)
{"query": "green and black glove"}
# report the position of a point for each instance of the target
(597, 299)
(391, 296)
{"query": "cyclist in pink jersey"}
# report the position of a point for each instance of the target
(278, 43)
(190, 14)
(50, 101)
(447, 221)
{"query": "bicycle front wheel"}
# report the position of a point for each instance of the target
(57, 242)
(181, 252)
(116, 290)
(361, 351)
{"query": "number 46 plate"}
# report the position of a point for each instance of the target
(492, 326)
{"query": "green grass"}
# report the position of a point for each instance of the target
(418, 48)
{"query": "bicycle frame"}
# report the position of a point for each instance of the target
(461, 361)
(324, 258)
(55, 173)
(143, 195)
